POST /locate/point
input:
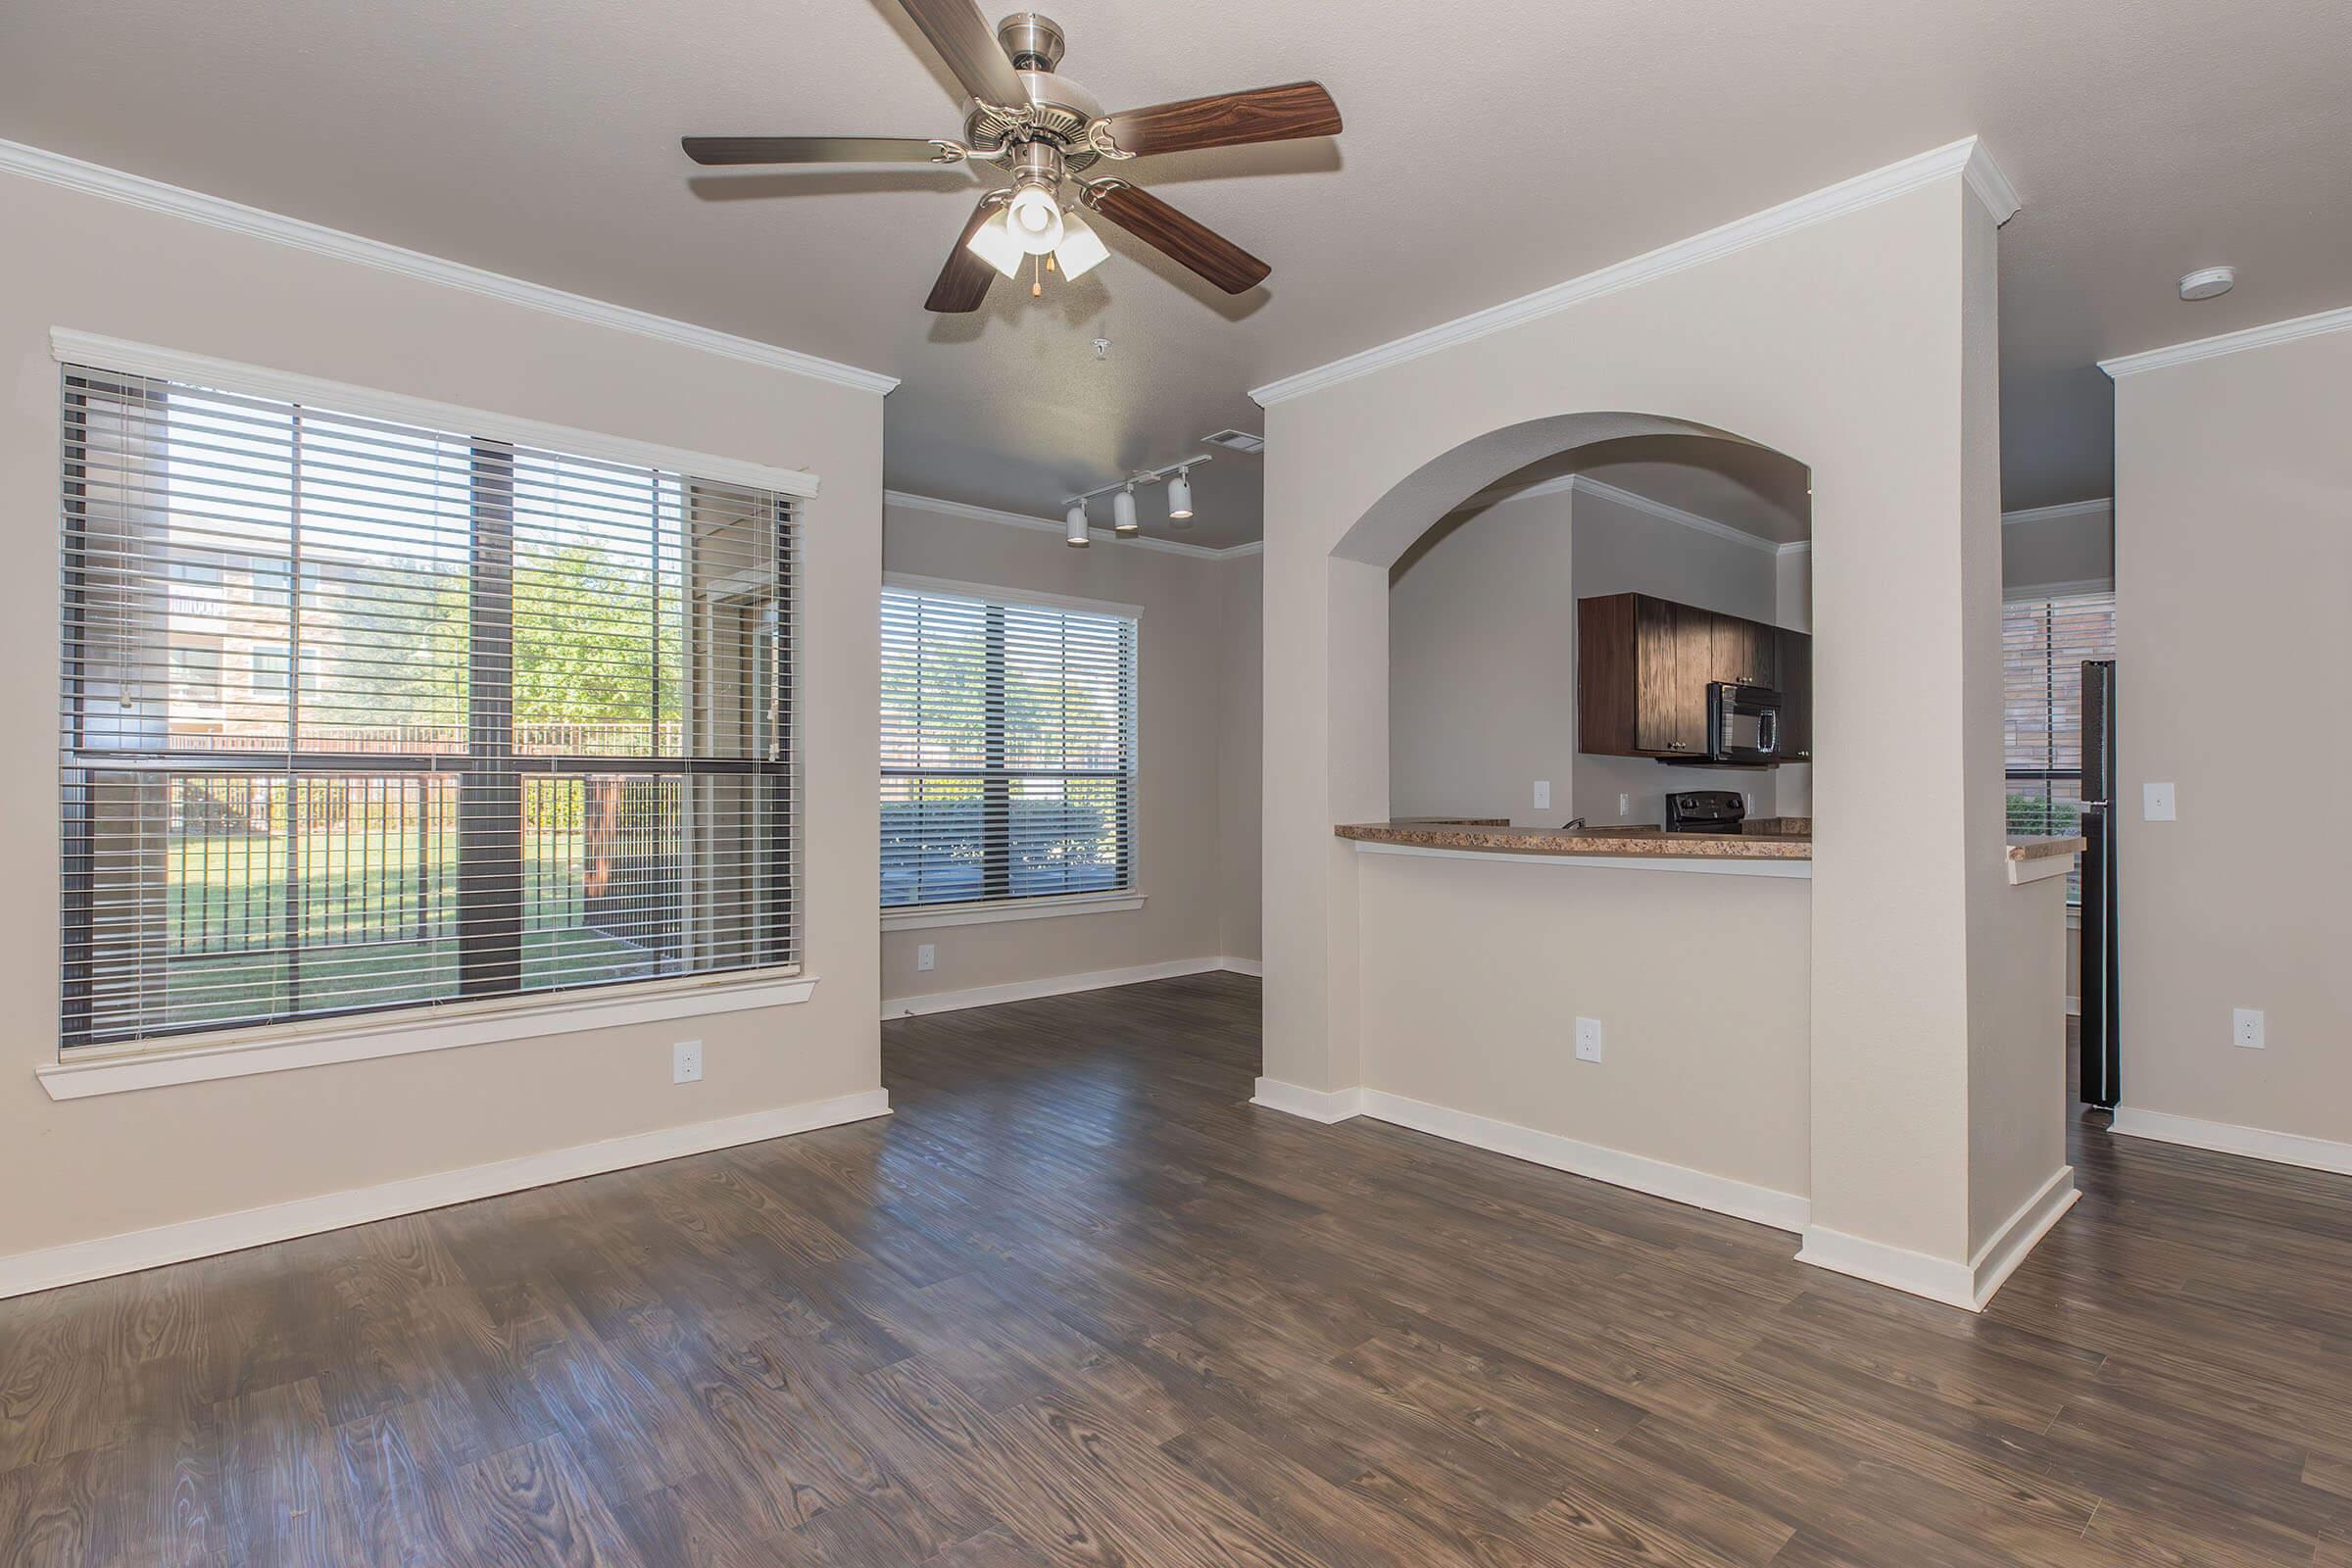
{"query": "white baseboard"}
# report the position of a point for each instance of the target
(1316, 1105)
(2007, 1247)
(2228, 1138)
(1721, 1194)
(1250, 966)
(133, 1251)
(1059, 985)
(1967, 1285)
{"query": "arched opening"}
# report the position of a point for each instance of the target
(1495, 596)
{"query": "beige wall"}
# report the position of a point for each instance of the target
(2072, 550)
(1858, 345)
(1243, 758)
(1195, 611)
(1476, 970)
(2234, 626)
(1485, 603)
(123, 1162)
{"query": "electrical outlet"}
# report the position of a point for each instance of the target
(1542, 794)
(2156, 802)
(926, 958)
(2246, 1027)
(1625, 807)
(1588, 1039)
(686, 1062)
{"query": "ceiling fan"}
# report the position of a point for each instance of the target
(1044, 129)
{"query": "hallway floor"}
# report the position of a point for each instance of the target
(1077, 1302)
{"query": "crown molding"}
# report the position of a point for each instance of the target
(1577, 482)
(2101, 506)
(2252, 337)
(1966, 158)
(151, 195)
(1019, 519)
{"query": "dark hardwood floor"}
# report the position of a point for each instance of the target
(1078, 1304)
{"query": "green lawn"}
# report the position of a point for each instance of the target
(378, 920)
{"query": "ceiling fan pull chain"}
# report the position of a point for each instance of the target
(1037, 280)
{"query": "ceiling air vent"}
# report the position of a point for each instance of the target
(1235, 441)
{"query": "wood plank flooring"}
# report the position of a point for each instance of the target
(1078, 1304)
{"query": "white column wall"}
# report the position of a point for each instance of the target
(1844, 344)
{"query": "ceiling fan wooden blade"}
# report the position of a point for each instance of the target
(969, 44)
(1267, 114)
(963, 282)
(1184, 240)
(811, 149)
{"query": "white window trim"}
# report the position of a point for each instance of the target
(991, 594)
(919, 917)
(68, 347)
(281, 1048)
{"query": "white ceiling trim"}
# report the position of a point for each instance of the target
(2252, 337)
(1018, 519)
(136, 191)
(2058, 513)
(92, 351)
(1568, 482)
(1966, 158)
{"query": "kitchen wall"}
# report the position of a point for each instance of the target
(1197, 648)
(82, 1170)
(2233, 574)
(2058, 549)
(1482, 655)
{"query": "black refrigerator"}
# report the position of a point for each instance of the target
(2100, 1066)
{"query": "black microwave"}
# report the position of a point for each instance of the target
(1744, 723)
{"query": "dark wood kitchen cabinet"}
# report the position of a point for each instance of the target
(1795, 650)
(1644, 665)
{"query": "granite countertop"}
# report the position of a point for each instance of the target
(1621, 841)
(1766, 837)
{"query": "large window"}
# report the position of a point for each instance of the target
(360, 716)
(1008, 747)
(2043, 644)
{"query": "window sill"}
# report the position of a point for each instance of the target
(285, 1047)
(921, 916)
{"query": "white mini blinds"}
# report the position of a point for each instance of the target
(1008, 746)
(359, 715)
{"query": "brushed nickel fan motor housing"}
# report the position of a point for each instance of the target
(1033, 40)
(1059, 110)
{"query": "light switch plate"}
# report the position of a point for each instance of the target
(1588, 1039)
(1542, 794)
(1625, 807)
(926, 957)
(686, 1062)
(2156, 802)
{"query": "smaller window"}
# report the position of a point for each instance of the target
(1009, 745)
(2045, 643)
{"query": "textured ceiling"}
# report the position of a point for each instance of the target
(1491, 149)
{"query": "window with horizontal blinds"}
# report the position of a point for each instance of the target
(359, 715)
(1009, 743)
(2044, 645)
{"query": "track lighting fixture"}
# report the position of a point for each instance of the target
(1123, 520)
(1078, 537)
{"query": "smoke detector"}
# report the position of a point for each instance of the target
(2208, 282)
(1235, 441)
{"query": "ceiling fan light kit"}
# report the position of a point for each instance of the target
(1045, 129)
